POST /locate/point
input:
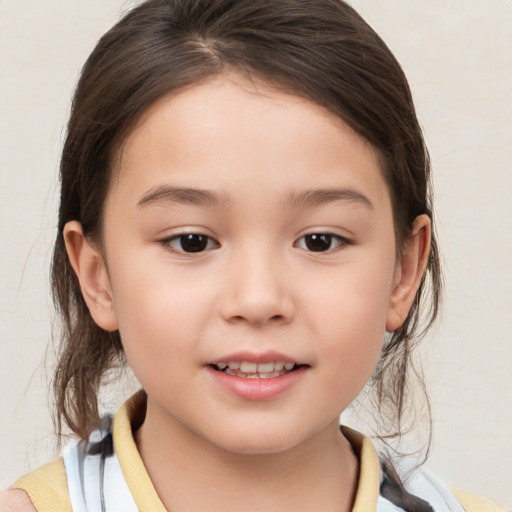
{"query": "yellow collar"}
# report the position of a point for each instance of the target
(134, 471)
(369, 471)
(144, 493)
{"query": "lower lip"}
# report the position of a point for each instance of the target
(258, 389)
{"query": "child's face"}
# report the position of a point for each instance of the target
(290, 257)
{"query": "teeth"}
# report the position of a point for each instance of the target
(265, 367)
(252, 370)
(270, 375)
(246, 367)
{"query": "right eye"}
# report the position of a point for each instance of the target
(190, 243)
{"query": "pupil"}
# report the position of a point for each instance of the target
(318, 243)
(193, 243)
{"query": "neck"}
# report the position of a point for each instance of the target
(190, 473)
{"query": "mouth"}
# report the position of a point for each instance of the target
(251, 370)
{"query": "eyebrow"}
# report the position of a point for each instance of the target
(163, 194)
(317, 197)
(182, 195)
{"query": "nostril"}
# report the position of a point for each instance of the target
(258, 319)
(257, 308)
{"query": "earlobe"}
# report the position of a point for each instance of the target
(91, 271)
(409, 273)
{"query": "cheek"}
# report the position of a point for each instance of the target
(355, 344)
(161, 314)
(352, 354)
(351, 310)
(159, 334)
(353, 300)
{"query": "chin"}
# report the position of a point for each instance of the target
(259, 446)
(257, 440)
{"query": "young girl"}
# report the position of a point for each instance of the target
(245, 219)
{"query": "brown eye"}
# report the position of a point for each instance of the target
(191, 243)
(320, 242)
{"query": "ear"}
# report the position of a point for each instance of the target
(89, 267)
(409, 273)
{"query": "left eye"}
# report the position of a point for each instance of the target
(191, 243)
(320, 242)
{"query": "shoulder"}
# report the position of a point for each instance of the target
(429, 487)
(46, 488)
(15, 500)
(420, 483)
(475, 503)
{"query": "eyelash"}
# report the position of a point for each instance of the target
(331, 237)
(205, 242)
(180, 238)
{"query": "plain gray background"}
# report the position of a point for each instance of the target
(458, 57)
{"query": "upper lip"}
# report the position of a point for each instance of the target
(255, 357)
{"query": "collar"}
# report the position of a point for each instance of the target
(131, 414)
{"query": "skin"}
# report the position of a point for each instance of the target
(257, 287)
(15, 501)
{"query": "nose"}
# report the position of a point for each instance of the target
(257, 290)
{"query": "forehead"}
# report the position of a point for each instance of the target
(229, 131)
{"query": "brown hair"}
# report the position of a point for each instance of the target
(321, 50)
